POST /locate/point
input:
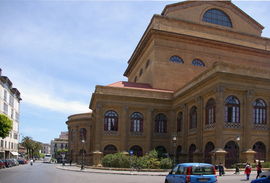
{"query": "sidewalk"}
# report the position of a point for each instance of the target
(92, 170)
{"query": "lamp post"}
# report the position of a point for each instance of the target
(174, 139)
(82, 165)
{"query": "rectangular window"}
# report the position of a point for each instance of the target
(5, 144)
(12, 114)
(5, 95)
(17, 116)
(5, 108)
(2, 143)
(11, 100)
(15, 135)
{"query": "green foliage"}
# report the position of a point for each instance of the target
(5, 126)
(266, 164)
(32, 147)
(148, 161)
(117, 160)
(166, 163)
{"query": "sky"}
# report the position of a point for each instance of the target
(55, 52)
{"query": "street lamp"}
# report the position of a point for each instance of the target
(174, 139)
(82, 165)
(238, 138)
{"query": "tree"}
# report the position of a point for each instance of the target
(5, 125)
(28, 143)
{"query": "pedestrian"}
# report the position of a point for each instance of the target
(220, 169)
(247, 171)
(70, 162)
(31, 162)
(259, 169)
(236, 170)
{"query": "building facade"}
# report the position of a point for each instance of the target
(59, 144)
(198, 88)
(9, 106)
(46, 148)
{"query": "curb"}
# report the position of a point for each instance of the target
(111, 172)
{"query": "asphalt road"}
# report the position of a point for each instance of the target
(48, 173)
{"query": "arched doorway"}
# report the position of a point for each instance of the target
(137, 150)
(109, 149)
(232, 155)
(162, 152)
(209, 147)
(192, 149)
(260, 150)
(178, 153)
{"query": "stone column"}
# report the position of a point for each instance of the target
(200, 116)
(124, 130)
(98, 127)
(219, 126)
(148, 124)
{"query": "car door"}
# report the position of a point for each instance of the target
(180, 176)
(170, 178)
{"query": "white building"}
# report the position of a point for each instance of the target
(46, 148)
(59, 143)
(10, 106)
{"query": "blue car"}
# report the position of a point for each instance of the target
(192, 173)
(262, 180)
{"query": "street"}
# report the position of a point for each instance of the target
(48, 173)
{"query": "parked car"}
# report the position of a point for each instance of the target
(2, 164)
(22, 161)
(262, 180)
(264, 174)
(7, 163)
(192, 172)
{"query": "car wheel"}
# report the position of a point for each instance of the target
(166, 181)
(263, 176)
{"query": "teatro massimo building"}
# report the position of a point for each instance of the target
(198, 88)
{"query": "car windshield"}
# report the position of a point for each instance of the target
(203, 170)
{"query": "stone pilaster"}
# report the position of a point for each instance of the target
(148, 123)
(200, 117)
(219, 126)
(98, 128)
(124, 130)
(248, 156)
(219, 156)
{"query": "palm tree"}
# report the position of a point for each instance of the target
(28, 143)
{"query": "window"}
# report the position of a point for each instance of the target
(218, 17)
(197, 62)
(15, 136)
(232, 110)
(5, 108)
(5, 95)
(2, 143)
(193, 118)
(83, 132)
(12, 114)
(147, 64)
(179, 121)
(109, 149)
(135, 79)
(160, 123)
(110, 121)
(141, 72)
(136, 122)
(11, 100)
(176, 59)
(259, 112)
(210, 112)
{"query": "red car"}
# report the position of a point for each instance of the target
(2, 164)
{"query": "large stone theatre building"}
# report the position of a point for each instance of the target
(198, 89)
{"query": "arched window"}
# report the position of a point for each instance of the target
(135, 79)
(160, 123)
(136, 150)
(210, 112)
(109, 149)
(218, 17)
(193, 118)
(179, 121)
(192, 149)
(197, 62)
(232, 110)
(83, 134)
(260, 150)
(136, 122)
(176, 59)
(141, 72)
(259, 112)
(110, 121)
(209, 147)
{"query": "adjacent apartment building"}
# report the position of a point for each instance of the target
(198, 88)
(59, 143)
(10, 106)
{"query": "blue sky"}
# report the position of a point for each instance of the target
(55, 52)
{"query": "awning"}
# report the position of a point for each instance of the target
(15, 153)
